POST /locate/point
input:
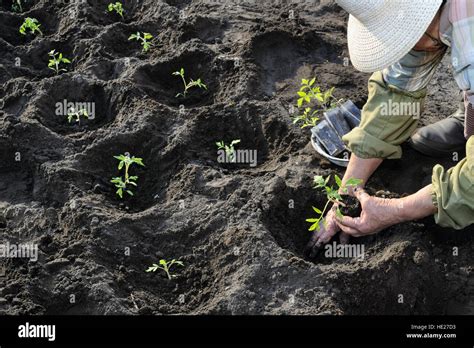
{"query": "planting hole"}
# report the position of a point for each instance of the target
(208, 30)
(99, 166)
(101, 104)
(157, 80)
(16, 178)
(282, 58)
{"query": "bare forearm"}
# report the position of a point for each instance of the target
(380, 213)
(413, 207)
(360, 168)
(416, 206)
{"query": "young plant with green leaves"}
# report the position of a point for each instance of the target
(188, 85)
(76, 115)
(55, 61)
(309, 118)
(32, 25)
(166, 267)
(316, 100)
(229, 149)
(334, 195)
(144, 38)
(117, 7)
(123, 183)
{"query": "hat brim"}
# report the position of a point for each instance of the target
(388, 39)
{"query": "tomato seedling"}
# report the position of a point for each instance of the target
(166, 267)
(56, 59)
(123, 185)
(311, 94)
(309, 118)
(143, 37)
(188, 85)
(229, 149)
(32, 24)
(117, 7)
(77, 114)
(333, 195)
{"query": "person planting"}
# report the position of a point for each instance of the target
(402, 42)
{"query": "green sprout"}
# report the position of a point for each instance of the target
(57, 59)
(165, 266)
(32, 24)
(333, 195)
(144, 39)
(187, 86)
(309, 93)
(117, 7)
(123, 185)
(229, 149)
(73, 114)
(309, 118)
(17, 6)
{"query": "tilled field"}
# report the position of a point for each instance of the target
(239, 230)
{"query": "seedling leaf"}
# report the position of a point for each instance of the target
(123, 183)
(333, 196)
(188, 85)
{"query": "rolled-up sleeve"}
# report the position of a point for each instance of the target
(453, 192)
(382, 128)
(395, 103)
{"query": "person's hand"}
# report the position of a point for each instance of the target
(329, 228)
(377, 214)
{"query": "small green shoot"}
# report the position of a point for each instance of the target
(77, 115)
(333, 195)
(229, 149)
(188, 85)
(311, 94)
(56, 59)
(309, 118)
(32, 24)
(117, 7)
(165, 266)
(123, 185)
(143, 37)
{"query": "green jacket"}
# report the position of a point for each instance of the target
(380, 134)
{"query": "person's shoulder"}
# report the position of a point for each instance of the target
(458, 10)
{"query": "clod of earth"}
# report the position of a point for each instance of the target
(350, 206)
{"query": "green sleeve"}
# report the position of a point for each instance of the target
(453, 192)
(389, 117)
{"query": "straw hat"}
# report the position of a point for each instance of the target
(381, 32)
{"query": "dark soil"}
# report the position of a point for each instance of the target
(239, 230)
(350, 206)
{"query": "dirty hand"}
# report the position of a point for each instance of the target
(377, 214)
(320, 237)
